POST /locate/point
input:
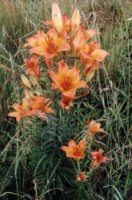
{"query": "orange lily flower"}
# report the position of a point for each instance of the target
(81, 176)
(92, 56)
(79, 41)
(87, 50)
(67, 80)
(33, 66)
(75, 151)
(90, 69)
(47, 44)
(40, 105)
(32, 106)
(92, 52)
(99, 55)
(22, 111)
(95, 127)
(66, 102)
(98, 158)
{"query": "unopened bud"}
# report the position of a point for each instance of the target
(89, 76)
(75, 20)
(57, 17)
(25, 81)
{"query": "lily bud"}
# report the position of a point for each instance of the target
(57, 17)
(25, 81)
(89, 76)
(75, 20)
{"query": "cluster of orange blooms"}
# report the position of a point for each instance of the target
(67, 40)
(77, 151)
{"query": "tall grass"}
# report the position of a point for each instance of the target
(32, 165)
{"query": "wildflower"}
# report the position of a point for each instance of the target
(32, 106)
(57, 17)
(75, 151)
(78, 41)
(80, 38)
(81, 176)
(92, 56)
(47, 44)
(33, 66)
(67, 80)
(22, 110)
(99, 55)
(40, 106)
(87, 50)
(66, 102)
(95, 127)
(98, 158)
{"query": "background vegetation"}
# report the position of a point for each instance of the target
(32, 165)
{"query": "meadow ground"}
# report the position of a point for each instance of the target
(31, 163)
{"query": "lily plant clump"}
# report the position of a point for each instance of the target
(67, 56)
